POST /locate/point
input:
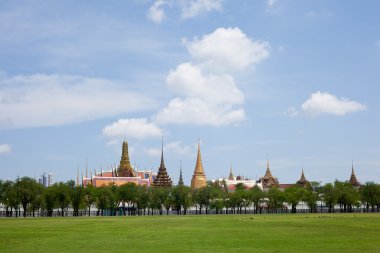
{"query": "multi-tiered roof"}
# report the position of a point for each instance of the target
(162, 179)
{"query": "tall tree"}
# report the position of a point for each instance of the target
(257, 197)
(329, 196)
(293, 196)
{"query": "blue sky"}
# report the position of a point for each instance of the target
(292, 81)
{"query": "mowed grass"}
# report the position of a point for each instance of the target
(213, 233)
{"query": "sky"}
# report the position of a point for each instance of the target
(290, 81)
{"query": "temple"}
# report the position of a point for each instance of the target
(302, 181)
(162, 179)
(268, 180)
(199, 177)
(124, 174)
(353, 180)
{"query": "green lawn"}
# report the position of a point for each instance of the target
(214, 233)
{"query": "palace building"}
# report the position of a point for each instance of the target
(231, 182)
(123, 174)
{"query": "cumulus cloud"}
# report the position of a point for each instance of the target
(187, 8)
(5, 149)
(227, 49)
(156, 12)
(134, 128)
(199, 112)
(323, 102)
(194, 8)
(48, 100)
(207, 93)
(176, 147)
(271, 3)
(187, 79)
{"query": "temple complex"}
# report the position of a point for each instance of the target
(162, 179)
(199, 177)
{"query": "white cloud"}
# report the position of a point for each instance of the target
(187, 79)
(323, 102)
(156, 12)
(227, 49)
(47, 100)
(271, 3)
(187, 8)
(176, 147)
(292, 112)
(5, 149)
(194, 8)
(198, 112)
(207, 91)
(133, 128)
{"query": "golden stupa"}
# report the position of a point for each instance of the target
(199, 177)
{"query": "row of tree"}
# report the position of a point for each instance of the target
(27, 196)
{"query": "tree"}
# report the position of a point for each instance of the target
(182, 198)
(217, 198)
(37, 200)
(142, 198)
(347, 196)
(61, 191)
(369, 195)
(275, 199)
(89, 197)
(329, 196)
(76, 198)
(104, 199)
(257, 197)
(127, 194)
(10, 198)
(50, 200)
(293, 196)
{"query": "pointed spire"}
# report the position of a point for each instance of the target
(268, 172)
(199, 177)
(162, 165)
(86, 169)
(78, 175)
(180, 182)
(125, 168)
(353, 180)
(231, 176)
(162, 179)
(302, 180)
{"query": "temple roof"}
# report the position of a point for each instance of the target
(353, 180)
(162, 179)
(125, 168)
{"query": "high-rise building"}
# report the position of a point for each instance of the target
(44, 180)
(50, 179)
(199, 177)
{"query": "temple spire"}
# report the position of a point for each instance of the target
(231, 176)
(353, 180)
(125, 168)
(199, 177)
(180, 181)
(162, 179)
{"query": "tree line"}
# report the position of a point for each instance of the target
(26, 197)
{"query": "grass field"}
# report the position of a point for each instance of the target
(214, 233)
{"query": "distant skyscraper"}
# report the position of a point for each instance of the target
(44, 180)
(50, 179)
